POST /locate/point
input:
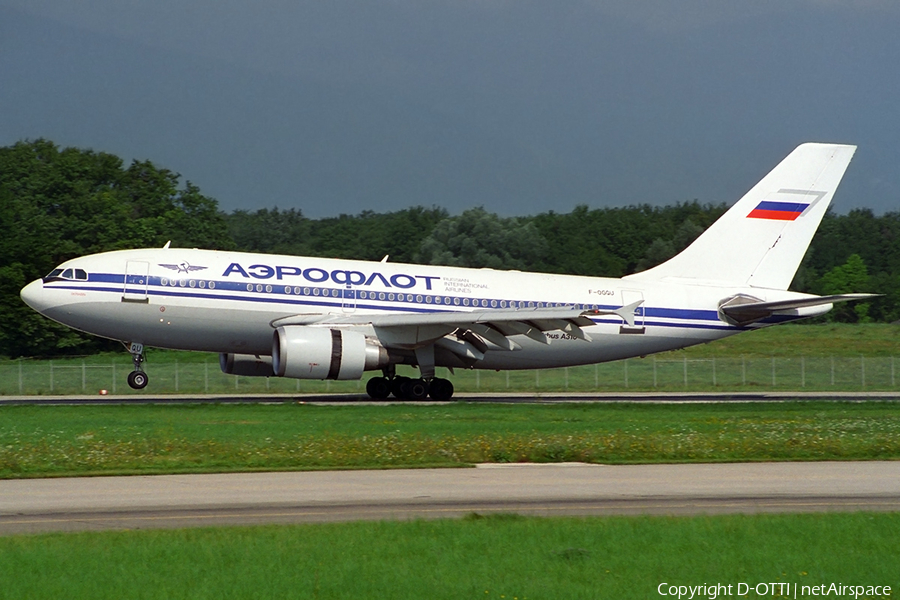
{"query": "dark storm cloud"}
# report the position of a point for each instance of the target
(518, 106)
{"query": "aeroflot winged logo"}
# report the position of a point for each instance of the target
(182, 267)
(784, 209)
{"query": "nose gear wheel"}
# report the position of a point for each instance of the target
(137, 379)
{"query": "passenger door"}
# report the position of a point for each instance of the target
(136, 281)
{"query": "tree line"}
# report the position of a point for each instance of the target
(56, 204)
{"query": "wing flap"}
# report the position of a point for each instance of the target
(494, 336)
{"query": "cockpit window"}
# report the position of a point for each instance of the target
(70, 274)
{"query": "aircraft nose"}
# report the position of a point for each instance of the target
(33, 295)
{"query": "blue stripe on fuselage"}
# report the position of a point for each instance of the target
(653, 316)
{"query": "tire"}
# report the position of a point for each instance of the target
(138, 380)
(441, 389)
(378, 388)
(417, 389)
(397, 387)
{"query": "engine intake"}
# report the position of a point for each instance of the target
(246, 365)
(319, 353)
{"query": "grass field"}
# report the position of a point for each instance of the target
(500, 556)
(69, 440)
(832, 357)
(497, 557)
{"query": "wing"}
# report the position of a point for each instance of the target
(468, 334)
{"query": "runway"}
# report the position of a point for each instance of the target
(174, 501)
(487, 398)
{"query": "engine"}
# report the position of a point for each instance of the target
(246, 365)
(319, 353)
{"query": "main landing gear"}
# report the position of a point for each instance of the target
(406, 388)
(137, 379)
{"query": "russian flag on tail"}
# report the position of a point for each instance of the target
(778, 211)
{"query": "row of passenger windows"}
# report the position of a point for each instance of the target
(382, 296)
(188, 282)
(416, 298)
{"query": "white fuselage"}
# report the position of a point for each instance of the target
(226, 302)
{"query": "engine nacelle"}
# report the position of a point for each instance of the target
(246, 365)
(319, 353)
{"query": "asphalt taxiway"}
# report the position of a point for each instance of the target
(173, 501)
(493, 397)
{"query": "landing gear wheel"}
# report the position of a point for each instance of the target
(398, 385)
(441, 389)
(138, 380)
(378, 388)
(417, 389)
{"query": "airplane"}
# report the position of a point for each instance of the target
(320, 318)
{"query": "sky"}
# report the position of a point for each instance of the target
(519, 106)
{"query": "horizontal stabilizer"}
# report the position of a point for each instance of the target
(743, 310)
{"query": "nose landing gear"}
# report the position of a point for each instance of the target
(137, 379)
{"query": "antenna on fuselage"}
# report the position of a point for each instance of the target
(384, 260)
(166, 247)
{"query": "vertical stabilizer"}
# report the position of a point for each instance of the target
(761, 240)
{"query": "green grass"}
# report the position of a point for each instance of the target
(819, 340)
(831, 357)
(502, 556)
(79, 440)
